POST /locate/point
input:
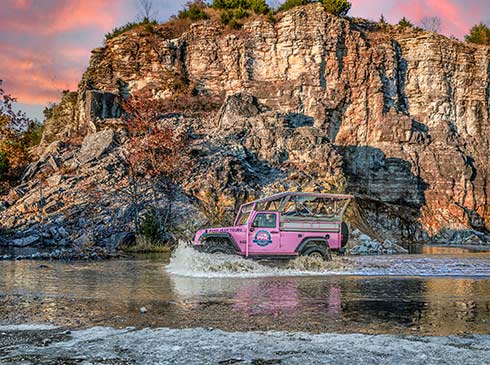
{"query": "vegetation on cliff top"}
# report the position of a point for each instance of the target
(194, 11)
(231, 13)
(479, 34)
(148, 24)
(337, 7)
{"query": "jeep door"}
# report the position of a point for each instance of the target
(263, 234)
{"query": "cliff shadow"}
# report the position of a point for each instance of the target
(389, 196)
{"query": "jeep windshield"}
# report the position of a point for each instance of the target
(243, 214)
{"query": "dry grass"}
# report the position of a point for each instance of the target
(145, 245)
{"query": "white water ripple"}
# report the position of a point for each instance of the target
(186, 261)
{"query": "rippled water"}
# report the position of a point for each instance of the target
(188, 262)
(400, 294)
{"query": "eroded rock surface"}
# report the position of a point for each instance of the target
(313, 100)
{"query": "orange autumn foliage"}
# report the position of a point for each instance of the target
(155, 147)
(15, 139)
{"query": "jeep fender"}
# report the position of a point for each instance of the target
(308, 240)
(225, 235)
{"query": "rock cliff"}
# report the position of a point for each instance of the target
(402, 116)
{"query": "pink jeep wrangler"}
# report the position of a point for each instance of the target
(283, 225)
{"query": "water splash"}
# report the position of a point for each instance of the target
(317, 265)
(188, 262)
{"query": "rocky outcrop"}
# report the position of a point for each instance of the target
(95, 145)
(313, 101)
(361, 244)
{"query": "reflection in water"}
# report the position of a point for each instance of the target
(260, 298)
(454, 250)
(445, 249)
(111, 293)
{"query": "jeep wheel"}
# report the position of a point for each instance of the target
(317, 251)
(217, 245)
(316, 254)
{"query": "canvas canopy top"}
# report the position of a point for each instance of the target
(299, 206)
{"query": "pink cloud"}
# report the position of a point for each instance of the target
(50, 17)
(457, 16)
(45, 45)
(89, 13)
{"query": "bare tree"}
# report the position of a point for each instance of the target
(431, 23)
(147, 9)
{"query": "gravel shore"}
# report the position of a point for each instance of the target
(105, 345)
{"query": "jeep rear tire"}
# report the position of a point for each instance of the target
(218, 245)
(317, 250)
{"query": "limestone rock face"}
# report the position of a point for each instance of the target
(405, 116)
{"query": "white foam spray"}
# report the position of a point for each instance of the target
(186, 261)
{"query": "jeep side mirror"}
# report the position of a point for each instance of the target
(252, 229)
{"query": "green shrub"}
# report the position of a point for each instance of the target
(289, 4)
(405, 23)
(479, 34)
(34, 134)
(270, 16)
(4, 165)
(259, 6)
(240, 13)
(337, 7)
(235, 10)
(124, 28)
(234, 24)
(194, 11)
(226, 16)
(150, 226)
(226, 4)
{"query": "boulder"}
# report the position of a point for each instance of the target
(362, 244)
(236, 107)
(25, 241)
(95, 145)
(81, 241)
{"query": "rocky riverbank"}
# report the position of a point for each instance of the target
(103, 345)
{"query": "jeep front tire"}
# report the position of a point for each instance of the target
(218, 245)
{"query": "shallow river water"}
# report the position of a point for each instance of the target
(431, 294)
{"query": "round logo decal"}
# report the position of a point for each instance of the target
(262, 238)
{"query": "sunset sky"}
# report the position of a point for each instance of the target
(45, 44)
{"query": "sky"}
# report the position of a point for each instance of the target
(45, 44)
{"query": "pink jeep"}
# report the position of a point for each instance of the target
(283, 225)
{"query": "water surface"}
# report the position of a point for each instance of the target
(83, 294)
